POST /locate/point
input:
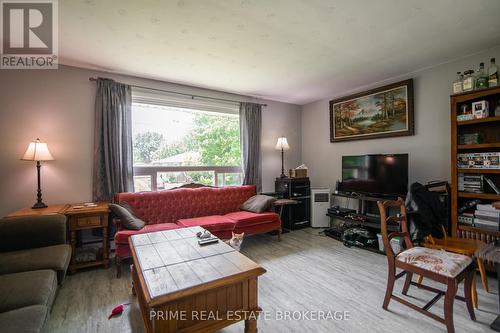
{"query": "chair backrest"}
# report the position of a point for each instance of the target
(400, 219)
(429, 239)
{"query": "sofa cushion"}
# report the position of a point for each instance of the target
(122, 236)
(244, 218)
(18, 290)
(126, 215)
(30, 319)
(56, 257)
(258, 203)
(213, 223)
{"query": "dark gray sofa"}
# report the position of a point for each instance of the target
(34, 258)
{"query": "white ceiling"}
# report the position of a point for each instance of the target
(287, 50)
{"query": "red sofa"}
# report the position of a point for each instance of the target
(215, 209)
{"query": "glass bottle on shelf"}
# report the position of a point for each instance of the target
(468, 82)
(492, 74)
(481, 78)
(457, 84)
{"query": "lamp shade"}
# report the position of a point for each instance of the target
(282, 144)
(37, 151)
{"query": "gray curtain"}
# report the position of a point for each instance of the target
(250, 136)
(113, 171)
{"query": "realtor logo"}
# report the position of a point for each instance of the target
(29, 34)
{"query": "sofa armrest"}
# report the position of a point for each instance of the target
(21, 233)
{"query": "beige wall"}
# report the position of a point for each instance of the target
(58, 107)
(429, 148)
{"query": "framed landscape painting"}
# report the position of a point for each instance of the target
(378, 113)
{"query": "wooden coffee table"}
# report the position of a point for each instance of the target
(184, 287)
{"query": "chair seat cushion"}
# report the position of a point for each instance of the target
(30, 319)
(212, 223)
(437, 261)
(122, 236)
(56, 257)
(244, 218)
(18, 290)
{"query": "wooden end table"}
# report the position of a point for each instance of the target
(491, 253)
(50, 210)
(463, 246)
(281, 203)
(184, 287)
(83, 218)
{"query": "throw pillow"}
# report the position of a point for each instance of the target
(127, 218)
(258, 203)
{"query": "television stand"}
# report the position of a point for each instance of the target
(361, 196)
(366, 216)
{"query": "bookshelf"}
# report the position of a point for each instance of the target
(481, 171)
(489, 128)
(479, 146)
(484, 196)
(478, 121)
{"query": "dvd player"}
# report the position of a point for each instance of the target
(339, 211)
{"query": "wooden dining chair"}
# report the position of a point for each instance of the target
(444, 267)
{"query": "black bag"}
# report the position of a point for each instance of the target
(425, 212)
(358, 237)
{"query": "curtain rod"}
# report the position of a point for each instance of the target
(183, 94)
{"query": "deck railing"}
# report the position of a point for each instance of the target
(153, 178)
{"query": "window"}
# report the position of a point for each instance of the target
(178, 141)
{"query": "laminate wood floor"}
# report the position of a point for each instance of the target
(305, 272)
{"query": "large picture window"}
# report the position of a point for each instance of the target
(175, 145)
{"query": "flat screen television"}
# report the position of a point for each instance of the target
(378, 175)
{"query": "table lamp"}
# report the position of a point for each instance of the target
(38, 151)
(282, 145)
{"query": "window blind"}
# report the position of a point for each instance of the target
(148, 96)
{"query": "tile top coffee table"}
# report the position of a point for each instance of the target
(182, 286)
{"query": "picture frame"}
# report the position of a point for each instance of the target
(382, 112)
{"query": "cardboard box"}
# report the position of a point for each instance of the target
(479, 160)
(300, 173)
(491, 160)
(480, 109)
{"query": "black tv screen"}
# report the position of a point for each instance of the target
(384, 175)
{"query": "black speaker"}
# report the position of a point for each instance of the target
(338, 186)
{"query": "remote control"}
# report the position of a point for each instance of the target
(207, 241)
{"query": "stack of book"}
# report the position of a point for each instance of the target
(470, 183)
(487, 216)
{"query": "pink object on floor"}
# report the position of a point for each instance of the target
(117, 310)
